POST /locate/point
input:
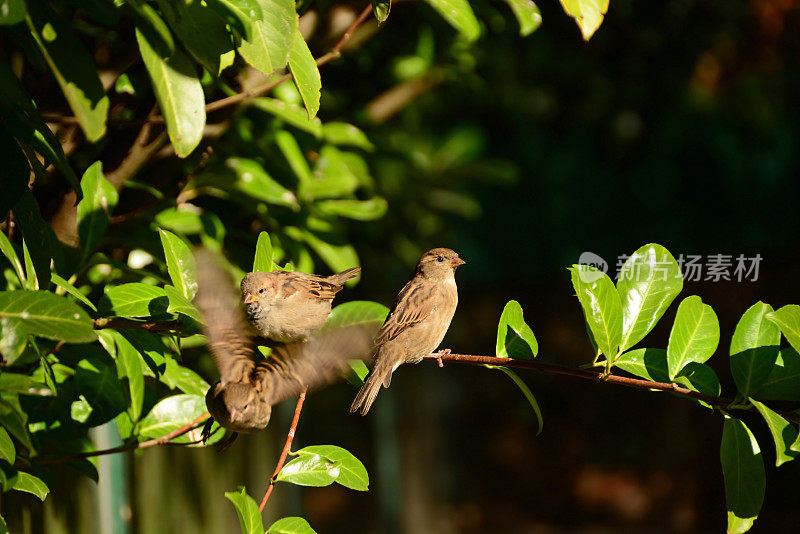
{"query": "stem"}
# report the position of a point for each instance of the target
(286, 447)
(124, 448)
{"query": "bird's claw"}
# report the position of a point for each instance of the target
(438, 355)
(228, 442)
(206, 434)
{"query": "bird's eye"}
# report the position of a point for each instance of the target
(262, 289)
(245, 407)
(440, 259)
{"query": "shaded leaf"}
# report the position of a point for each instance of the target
(179, 95)
(754, 348)
(700, 378)
(650, 364)
(357, 312)
(15, 420)
(743, 469)
(47, 315)
(601, 307)
(7, 450)
(16, 170)
(180, 264)
(305, 74)
(73, 69)
(360, 210)
(95, 209)
(12, 11)
(291, 114)
(253, 180)
(134, 300)
(180, 304)
(129, 368)
(515, 338)
(648, 282)
(342, 133)
(183, 378)
(525, 391)
(783, 433)
(38, 235)
(98, 381)
(783, 382)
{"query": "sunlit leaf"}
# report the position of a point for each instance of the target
(783, 433)
(171, 414)
(381, 9)
(588, 14)
(31, 484)
(344, 134)
(309, 470)
(134, 300)
(527, 14)
(7, 450)
(694, 336)
(263, 257)
(291, 525)
(360, 210)
(95, 209)
(305, 74)
(601, 307)
(291, 114)
(180, 264)
(459, 15)
(47, 315)
(515, 338)
(352, 473)
(754, 348)
(272, 37)
(788, 320)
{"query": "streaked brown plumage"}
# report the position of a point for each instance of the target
(291, 306)
(242, 400)
(417, 322)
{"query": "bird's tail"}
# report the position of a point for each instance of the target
(381, 375)
(344, 276)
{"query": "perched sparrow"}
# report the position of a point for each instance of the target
(242, 400)
(417, 322)
(291, 306)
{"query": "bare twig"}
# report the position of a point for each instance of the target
(140, 153)
(163, 440)
(286, 447)
(120, 323)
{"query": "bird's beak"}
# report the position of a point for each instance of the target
(249, 298)
(455, 262)
(233, 414)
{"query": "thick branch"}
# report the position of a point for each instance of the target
(286, 448)
(163, 440)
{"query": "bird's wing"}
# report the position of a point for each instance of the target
(414, 304)
(313, 363)
(227, 330)
(310, 285)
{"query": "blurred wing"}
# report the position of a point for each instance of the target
(314, 363)
(227, 330)
(413, 305)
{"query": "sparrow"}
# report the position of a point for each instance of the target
(416, 324)
(291, 306)
(242, 400)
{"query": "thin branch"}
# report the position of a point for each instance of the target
(597, 376)
(163, 440)
(256, 91)
(140, 153)
(120, 323)
(286, 447)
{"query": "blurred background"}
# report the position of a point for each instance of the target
(678, 123)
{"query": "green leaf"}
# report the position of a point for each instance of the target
(134, 300)
(13, 339)
(754, 348)
(73, 69)
(700, 378)
(129, 368)
(515, 338)
(272, 36)
(289, 113)
(309, 470)
(694, 336)
(172, 413)
(12, 12)
(650, 364)
(263, 257)
(31, 280)
(179, 95)
(247, 510)
(381, 9)
(16, 170)
(183, 378)
(459, 15)
(19, 383)
(15, 420)
(783, 382)
(527, 14)
(601, 307)
(253, 180)
(80, 410)
(788, 320)
(743, 469)
(47, 315)
(94, 211)
(352, 473)
(783, 433)
(239, 14)
(180, 304)
(336, 256)
(38, 234)
(344, 134)
(180, 264)
(294, 156)
(30, 484)
(71, 289)
(333, 176)
(7, 450)
(648, 283)
(97, 380)
(201, 30)
(123, 85)
(357, 312)
(360, 210)
(153, 27)
(291, 525)
(8, 251)
(21, 116)
(305, 74)
(588, 14)
(525, 391)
